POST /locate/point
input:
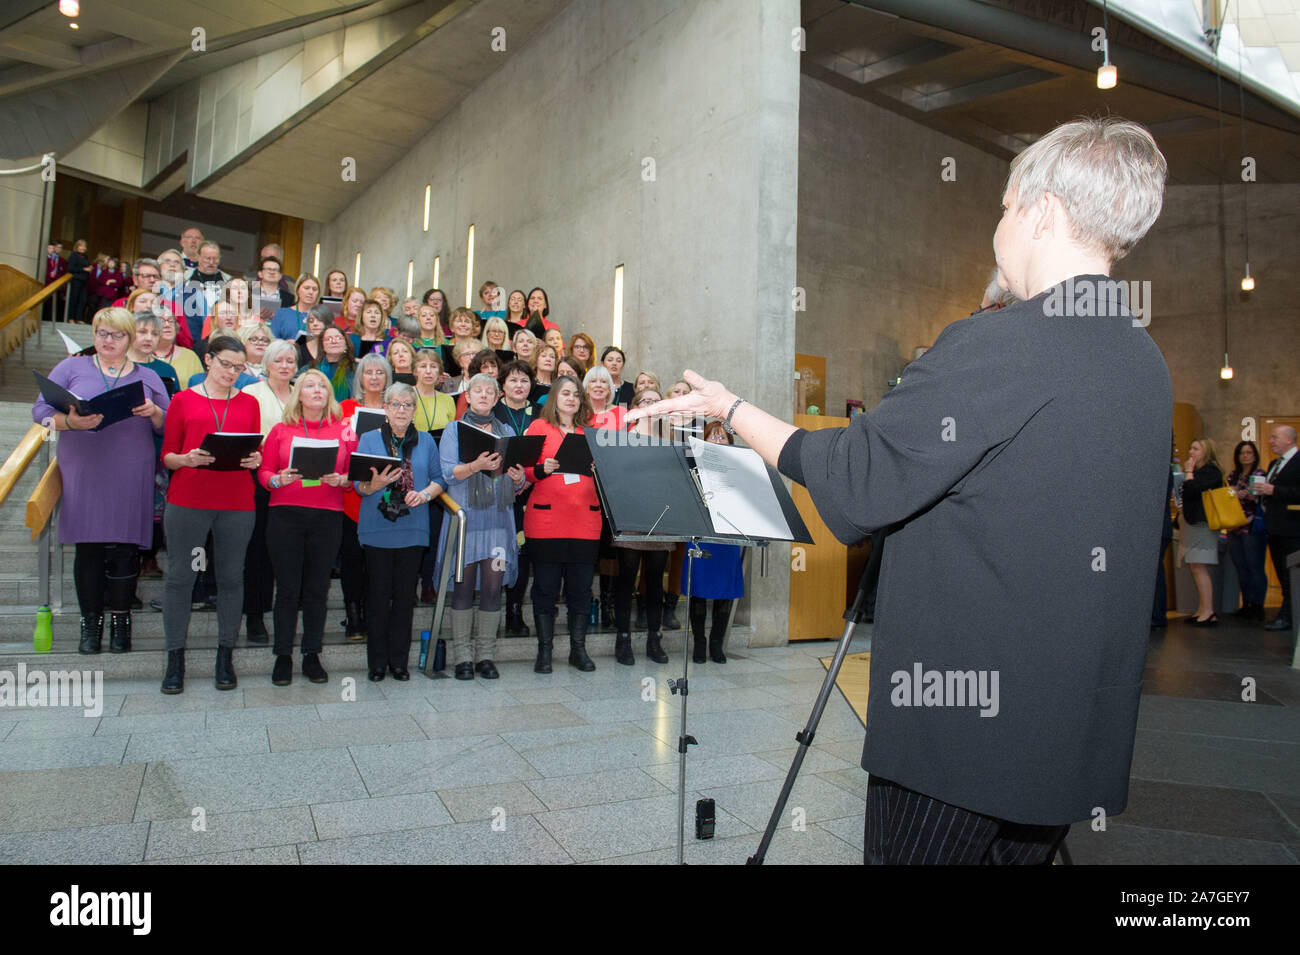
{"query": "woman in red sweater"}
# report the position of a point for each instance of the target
(562, 527)
(305, 522)
(202, 501)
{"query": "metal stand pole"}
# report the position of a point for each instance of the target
(684, 740)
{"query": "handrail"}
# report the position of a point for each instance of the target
(462, 519)
(21, 457)
(44, 499)
(34, 300)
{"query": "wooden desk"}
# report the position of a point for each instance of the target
(818, 572)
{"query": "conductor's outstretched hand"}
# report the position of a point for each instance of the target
(708, 398)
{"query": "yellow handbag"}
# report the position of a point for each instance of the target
(1223, 511)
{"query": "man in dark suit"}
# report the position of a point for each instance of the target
(1010, 632)
(1281, 487)
(55, 267)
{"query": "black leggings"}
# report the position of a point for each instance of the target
(721, 612)
(489, 586)
(352, 564)
(105, 575)
(628, 562)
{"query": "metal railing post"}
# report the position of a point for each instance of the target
(452, 570)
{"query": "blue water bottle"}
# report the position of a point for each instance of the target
(593, 618)
(424, 647)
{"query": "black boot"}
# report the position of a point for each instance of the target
(670, 612)
(352, 625)
(696, 615)
(225, 675)
(174, 679)
(721, 613)
(255, 629)
(119, 637)
(92, 633)
(515, 626)
(653, 649)
(545, 641)
(638, 622)
(578, 644)
(623, 649)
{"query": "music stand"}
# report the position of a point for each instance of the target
(652, 492)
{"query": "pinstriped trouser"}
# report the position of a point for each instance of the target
(905, 827)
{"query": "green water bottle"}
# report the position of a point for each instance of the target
(43, 635)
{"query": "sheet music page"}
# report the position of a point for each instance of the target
(738, 492)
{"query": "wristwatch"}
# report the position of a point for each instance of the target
(726, 425)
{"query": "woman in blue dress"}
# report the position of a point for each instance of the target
(721, 579)
(490, 540)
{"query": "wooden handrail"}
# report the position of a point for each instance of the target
(40, 506)
(452, 507)
(34, 300)
(22, 456)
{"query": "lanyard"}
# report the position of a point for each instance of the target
(518, 425)
(319, 429)
(221, 424)
(428, 416)
(100, 369)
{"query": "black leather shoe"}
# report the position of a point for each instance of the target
(1211, 621)
(623, 650)
(92, 633)
(487, 670)
(119, 637)
(312, 669)
(174, 679)
(376, 676)
(653, 648)
(1278, 623)
(401, 674)
(282, 672)
(464, 671)
(255, 630)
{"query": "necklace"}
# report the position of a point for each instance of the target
(221, 423)
(100, 367)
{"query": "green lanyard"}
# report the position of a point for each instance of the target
(221, 423)
(100, 369)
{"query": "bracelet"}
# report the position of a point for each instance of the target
(275, 482)
(726, 425)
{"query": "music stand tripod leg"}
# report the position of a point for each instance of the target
(854, 615)
(684, 741)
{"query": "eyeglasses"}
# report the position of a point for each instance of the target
(229, 365)
(647, 401)
(109, 334)
(259, 341)
(401, 406)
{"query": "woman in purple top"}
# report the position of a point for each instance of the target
(108, 478)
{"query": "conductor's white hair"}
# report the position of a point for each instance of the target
(1108, 173)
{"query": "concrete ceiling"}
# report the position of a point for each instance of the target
(999, 74)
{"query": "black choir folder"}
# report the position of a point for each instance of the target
(574, 455)
(359, 465)
(115, 404)
(228, 448)
(525, 450)
(313, 458)
(659, 487)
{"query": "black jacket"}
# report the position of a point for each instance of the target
(1205, 478)
(1025, 458)
(1278, 521)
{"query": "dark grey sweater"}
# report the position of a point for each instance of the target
(1024, 459)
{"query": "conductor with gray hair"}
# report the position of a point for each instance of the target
(1015, 588)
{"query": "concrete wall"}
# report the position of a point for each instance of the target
(115, 151)
(889, 252)
(708, 90)
(21, 198)
(1181, 259)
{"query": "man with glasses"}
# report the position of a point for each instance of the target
(273, 250)
(147, 274)
(191, 238)
(203, 285)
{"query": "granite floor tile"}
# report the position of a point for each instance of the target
(1234, 813)
(767, 676)
(573, 750)
(42, 727)
(90, 845)
(851, 829)
(6, 727)
(628, 707)
(189, 722)
(236, 783)
(199, 694)
(752, 803)
(703, 772)
(812, 847)
(727, 734)
(153, 747)
(302, 690)
(1199, 685)
(1288, 805)
(541, 694)
(477, 722)
(589, 789)
(262, 716)
(488, 802)
(276, 855)
(1121, 844)
(331, 734)
(729, 699)
(621, 828)
(1216, 761)
(628, 689)
(359, 817)
(414, 706)
(229, 832)
(69, 798)
(391, 769)
(522, 842)
(1213, 718)
(61, 753)
(850, 780)
(838, 721)
(109, 705)
(818, 760)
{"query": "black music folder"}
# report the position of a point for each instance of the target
(115, 404)
(313, 458)
(574, 455)
(229, 448)
(524, 450)
(360, 464)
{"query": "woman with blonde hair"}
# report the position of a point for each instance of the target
(256, 338)
(401, 357)
(555, 338)
(495, 334)
(304, 525)
(1199, 544)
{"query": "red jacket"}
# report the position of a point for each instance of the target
(556, 509)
